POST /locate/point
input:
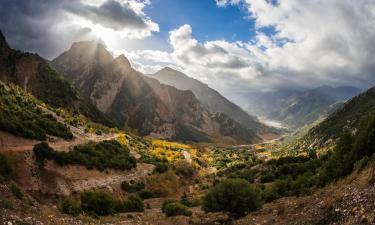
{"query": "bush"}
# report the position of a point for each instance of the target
(16, 191)
(174, 208)
(70, 207)
(102, 204)
(184, 169)
(5, 167)
(161, 167)
(42, 151)
(235, 196)
(133, 204)
(189, 202)
(146, 194)
(131, 188)
(98, 203)
(101, 155)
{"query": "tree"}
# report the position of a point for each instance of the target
(236, 196)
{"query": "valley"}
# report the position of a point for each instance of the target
(87, 138)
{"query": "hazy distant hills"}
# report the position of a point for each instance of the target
(212, 100)
(298, 108)
(141, 103)
(34, 74)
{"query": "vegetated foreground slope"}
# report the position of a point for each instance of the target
(141, 103)
(299, 108)
(212, 100)
(34, 74)
(21, 115)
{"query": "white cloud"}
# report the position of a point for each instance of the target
(222, 3)
(314, 42)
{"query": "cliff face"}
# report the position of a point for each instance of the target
(136, 101)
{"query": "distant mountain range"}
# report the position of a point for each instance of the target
(138, 102)
(299, 108)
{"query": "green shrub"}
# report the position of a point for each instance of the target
(16, 191)
(102, 155)
(132, 187)
(146, 194)
(161, 167)
(5, 167)
(189, 202)
(70, 207)
(184, 169)
(102, 204)
(98, 203)
(174, 208)
(235, 196)
(133, 204)
(42, 151)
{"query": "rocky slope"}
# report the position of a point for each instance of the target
(212, 100)
(33, 74)
(138, 102)
(348, 201)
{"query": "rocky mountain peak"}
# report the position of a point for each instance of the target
(122, 61)
(168, 71)
(88, 52)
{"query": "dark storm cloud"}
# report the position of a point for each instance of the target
(24, 24)
(47, 27)
(110, 14)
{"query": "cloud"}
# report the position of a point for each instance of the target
(211, 54)
(49, 27)
(298, 44)
(110, 14)
(223, 3)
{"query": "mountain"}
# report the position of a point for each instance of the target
(212, 100)
(350, 116)
(296, 109)
(140, 103)
(35, 75)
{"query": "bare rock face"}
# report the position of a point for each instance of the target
(138, 102)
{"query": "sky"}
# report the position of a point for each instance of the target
(235, 46)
